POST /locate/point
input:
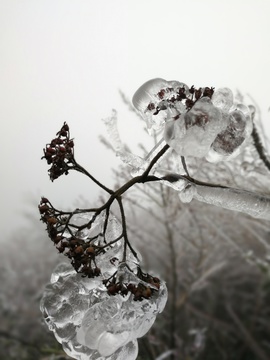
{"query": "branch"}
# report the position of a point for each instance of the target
(259, 147)
(247, 337)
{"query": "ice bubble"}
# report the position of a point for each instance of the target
(223, 99)
(64, 333)
(230, 142)
(110, 342)
(127, 352)
(187, 194)
(174, 181)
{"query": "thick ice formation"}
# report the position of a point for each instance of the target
(151, 101)
(93, 325)
(193, 133)
(91, 316)
(196, 122)
(240, 200)
(231, 141)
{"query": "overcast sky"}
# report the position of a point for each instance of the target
(63, 60)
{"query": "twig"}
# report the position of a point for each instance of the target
(259, 147)
(247, 337)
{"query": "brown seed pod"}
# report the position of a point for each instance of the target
(57, 239)
(112, 289)
(52, 220)
(90, 251)
(146, 293)
(79, 250)
(151, 106)
(43, 208)
(97, 271)
(198, 93)
(161, 93)
(51, 150)
(65, 126)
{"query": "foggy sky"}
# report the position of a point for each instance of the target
(64, 60)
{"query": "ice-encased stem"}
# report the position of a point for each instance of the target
(248, 202)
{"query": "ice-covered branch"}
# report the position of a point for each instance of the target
(248, 202)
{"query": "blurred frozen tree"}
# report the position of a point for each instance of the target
(26, 260)
(212, 260)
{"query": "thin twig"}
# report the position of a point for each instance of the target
(183, 160)
(247, 337)
(259, 147)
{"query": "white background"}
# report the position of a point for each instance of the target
(63, 60)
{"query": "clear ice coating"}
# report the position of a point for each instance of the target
(250, 203)
(86, 320)
(153, 100)
(213, 126)
(91, 324)
(230, 142)
(187, 194)
(194, 131)
(120, 149)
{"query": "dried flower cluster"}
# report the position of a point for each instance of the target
(82, 253)
(141, 290)
(187, 96)
(159, 100)
(59, 153)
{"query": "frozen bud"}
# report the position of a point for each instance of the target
(159, 100)
(79, 250)
(52, 220)
(148, 94)
(229, 143)
(65, 127)
(43, 208)
(90, 251)
(187, 194)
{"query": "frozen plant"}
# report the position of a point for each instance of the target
(99, 305)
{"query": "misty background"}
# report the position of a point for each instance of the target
(64, 60)
(67, 60)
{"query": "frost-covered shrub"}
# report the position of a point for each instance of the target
(99, 306)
